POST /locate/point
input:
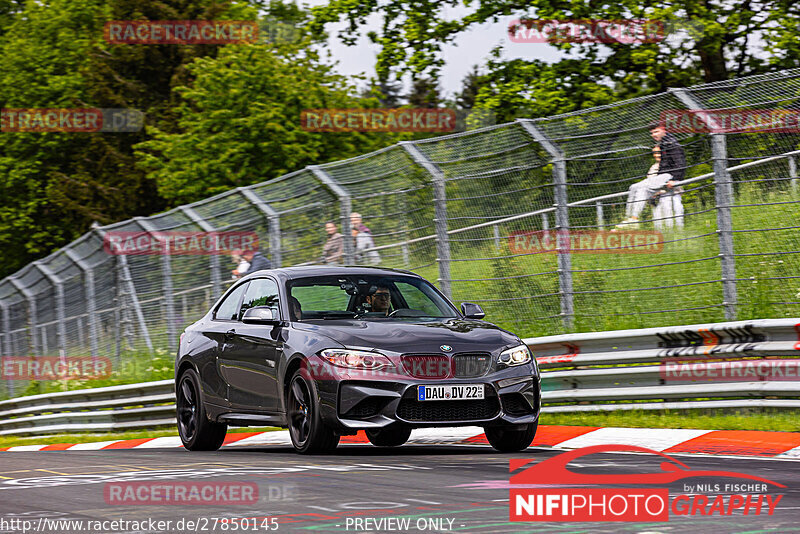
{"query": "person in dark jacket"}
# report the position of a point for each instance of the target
(257, 262)
(673, 158)
(670, 167)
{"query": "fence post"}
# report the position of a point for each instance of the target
(440, 213)
(205, 226)
(600, 220)
(562, 219)
(31, 311)
(404, 247)
(166, 274)
(345, 208)
(127, 279)
(273, 223)
(793, 173)
(7, 350)
(58, 285)
(91, 303)
(723, 196)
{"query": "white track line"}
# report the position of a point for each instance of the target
(278, 437)
(791, 453)
(94, 446)
(161, 443)
(22, 448)
(657, 439)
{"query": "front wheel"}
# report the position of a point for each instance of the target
(197, 432)
(392, 436)
(511, 438)
(309, 434)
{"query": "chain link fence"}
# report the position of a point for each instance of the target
(479, 213)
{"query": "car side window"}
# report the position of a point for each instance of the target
(261, 292)
(229, 309)
(416, 299)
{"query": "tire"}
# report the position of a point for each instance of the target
(391, 436)
(197, 432)
(511, 438)
(309, 434)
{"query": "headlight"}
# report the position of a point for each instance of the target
(516, 356)
(356, 359)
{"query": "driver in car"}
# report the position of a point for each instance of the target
(380, 301)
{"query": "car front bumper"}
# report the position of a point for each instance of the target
(512, 396)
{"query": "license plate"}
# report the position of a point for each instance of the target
(450, 392)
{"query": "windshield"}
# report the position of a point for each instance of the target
(365, 297)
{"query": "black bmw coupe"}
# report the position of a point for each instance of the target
(327, 351)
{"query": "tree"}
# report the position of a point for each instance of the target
(424, 93)
(239, 122)
(708, 41)
(389, 94)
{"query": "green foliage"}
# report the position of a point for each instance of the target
(239, 122)
(706, 41)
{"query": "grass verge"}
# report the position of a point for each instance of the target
(12, 441)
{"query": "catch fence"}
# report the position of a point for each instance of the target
(480, 213)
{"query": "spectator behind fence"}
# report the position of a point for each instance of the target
(333, 250)
(363, 241)
(357, 223)
(640, 192)
(256, 260)
(673, 158)
(668, 209)
(666, 202)
(242, 265)
(671, 161)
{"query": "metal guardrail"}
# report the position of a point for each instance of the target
(598, 371)
(132, 406)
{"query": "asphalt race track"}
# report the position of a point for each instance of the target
(439, 488)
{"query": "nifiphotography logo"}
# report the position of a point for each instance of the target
(601, 497)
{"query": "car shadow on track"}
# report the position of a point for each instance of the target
(371, 451)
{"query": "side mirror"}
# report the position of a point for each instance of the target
(260, 315)
(472, 311)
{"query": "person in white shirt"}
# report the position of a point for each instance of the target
(640, 192)
(242, 265)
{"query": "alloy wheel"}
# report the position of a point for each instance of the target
(187, 409)
(300, 410)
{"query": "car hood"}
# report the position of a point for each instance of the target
(414, 336)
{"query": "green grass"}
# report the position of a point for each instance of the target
(784, 420)
(133, 367)
(524, 300)
(770, 420)
(12, 441)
